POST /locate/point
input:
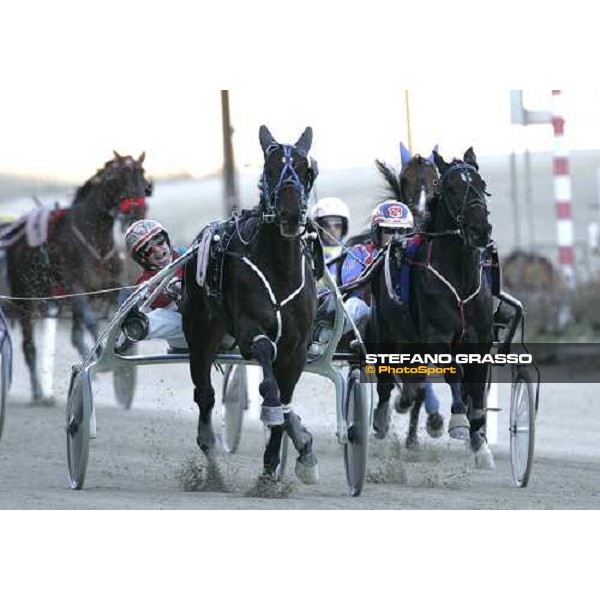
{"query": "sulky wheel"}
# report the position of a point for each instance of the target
(4, 379)
(235, 400)
(78, 427)
(522, 428)
(357, 420)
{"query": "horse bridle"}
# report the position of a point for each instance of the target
(287, 177)
(458, 218)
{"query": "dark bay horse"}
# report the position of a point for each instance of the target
(80, 254)
(450, 296)
(269, 302)
(414, 185)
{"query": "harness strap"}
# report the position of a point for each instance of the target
(277, 305)
(460, 301)
(91, 248)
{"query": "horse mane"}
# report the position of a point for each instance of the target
(392, 179)
(82, 191)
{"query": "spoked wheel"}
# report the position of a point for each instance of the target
(522, 428)
(235, 399)
(4, 379)
(357, 419)
(78, 427)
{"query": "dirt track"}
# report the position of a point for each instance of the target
(139, 457)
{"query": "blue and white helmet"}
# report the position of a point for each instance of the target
(391, 215)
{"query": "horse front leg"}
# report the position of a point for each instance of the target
(264, 350)
(30, 357)
(381, 414)
(412, 439)
(203, 334)
(458, 426)
(475, 378)
(82, 311)
(204, 397)
(288, 370)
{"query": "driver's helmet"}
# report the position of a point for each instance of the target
(391, 215)
(331, 208)
(139, 234)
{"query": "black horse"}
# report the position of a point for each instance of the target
(414, 185)
(450, 306)
(80, 255)
(269, 301)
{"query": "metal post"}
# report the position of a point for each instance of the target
(529, 201)
(562, 193)
(230, 196)
(515, 198)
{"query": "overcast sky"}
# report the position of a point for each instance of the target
(79, 79)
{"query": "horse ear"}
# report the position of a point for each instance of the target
(430, 157)
(405, 155)
(117, 155)
(470, 158)
(142, 157)
(440, 163)
(305, 141)
(265, 137)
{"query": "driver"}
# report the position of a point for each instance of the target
(149, 245)
(388, 219)
(332, 218)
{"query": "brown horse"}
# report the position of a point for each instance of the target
(80, 255)
(269, 302)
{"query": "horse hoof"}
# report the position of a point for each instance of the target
(307, 469)
(206, 441)
(484, 459)
(272, 415)
(412, 442)
(381, 420)
(403, 403)
(435, 425)
(459, 427)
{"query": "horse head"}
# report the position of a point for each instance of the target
(414, 185)
(121, 188)
(460, 200)
(288, 176)
(417, 181)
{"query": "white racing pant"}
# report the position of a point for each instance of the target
(359, 312)
(165, 323)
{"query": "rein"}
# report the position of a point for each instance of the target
(101, 258)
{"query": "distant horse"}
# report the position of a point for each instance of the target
(414, 185)
(80, 254)
(269, 302)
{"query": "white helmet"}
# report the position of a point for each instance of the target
(332, 207)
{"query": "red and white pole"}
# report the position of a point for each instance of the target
(562, 193)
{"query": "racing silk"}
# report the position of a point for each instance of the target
(163, 300)
(358, 258)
